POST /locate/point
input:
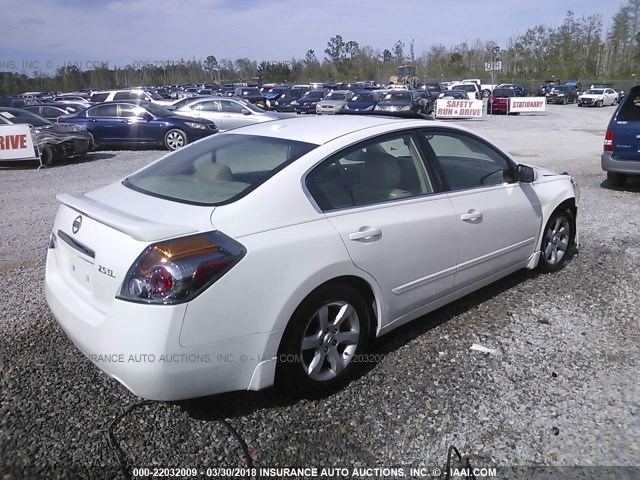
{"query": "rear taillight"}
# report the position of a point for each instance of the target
(178, 270)
(608, 141)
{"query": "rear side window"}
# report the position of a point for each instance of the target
(99, 97)
(630, 109)
(374, 172)
(103, 111)
(218, 170)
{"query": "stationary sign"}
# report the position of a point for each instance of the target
(527, 104)
(16, 143)
(448, 108)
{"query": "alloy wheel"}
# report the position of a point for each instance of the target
(557, 237)
(330, 340)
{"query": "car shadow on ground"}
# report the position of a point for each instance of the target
(90, 157)
(632, 184)
(34, 164)
(238, 404)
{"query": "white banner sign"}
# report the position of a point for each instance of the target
(447, 108)
(16, 143)
(527, 104)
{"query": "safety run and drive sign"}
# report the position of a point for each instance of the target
(527, 104)
(16, 143)
(447, 108)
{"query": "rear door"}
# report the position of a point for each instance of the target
(102, 122)
(626, 127)
(394, 220)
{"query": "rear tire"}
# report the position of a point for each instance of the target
(616, 179)
(324, 341)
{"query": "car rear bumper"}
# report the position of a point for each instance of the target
(139, 346)
(610, 164)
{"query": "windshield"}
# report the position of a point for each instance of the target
(336, 96)
(154, 95)
(504, 92)
(218, 170)
(395, 96)
(17, 116)
(250, 91)
(362, 97)
(594, 92)
(467, 87)
(314, 94)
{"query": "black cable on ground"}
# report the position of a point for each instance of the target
(466, 463)
(121, 457)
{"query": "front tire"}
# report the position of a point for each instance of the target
(599, 104)
(558, 236)
(47, 156)
(174, 139)
(323, 343)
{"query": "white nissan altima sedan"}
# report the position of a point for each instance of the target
(274, 253)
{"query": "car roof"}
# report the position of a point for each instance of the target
(322, 129)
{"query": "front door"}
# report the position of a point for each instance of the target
(393, 219)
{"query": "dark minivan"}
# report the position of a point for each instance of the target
(621, 155)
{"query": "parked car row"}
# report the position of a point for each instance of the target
(56, 141)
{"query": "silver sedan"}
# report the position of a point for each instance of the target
(227, 113)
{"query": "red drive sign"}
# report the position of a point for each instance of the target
(447, 108)
(527, 104)
(16, 143)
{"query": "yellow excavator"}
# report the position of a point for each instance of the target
(405, 75)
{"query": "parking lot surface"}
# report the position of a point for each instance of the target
(561, 389)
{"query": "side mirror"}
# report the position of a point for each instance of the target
(525, 173)
(246, 112)
(147, 117)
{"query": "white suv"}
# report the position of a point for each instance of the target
(130, 94)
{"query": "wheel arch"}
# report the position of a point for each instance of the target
(364, 287)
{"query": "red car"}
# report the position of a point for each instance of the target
(499, 100)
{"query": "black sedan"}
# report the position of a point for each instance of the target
(53, 111)
(140, 124)
(562, 94)
(400, 101)
(362, 101)
(283, 102)
(307, 102)
(56, 141)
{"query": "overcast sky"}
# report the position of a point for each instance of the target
(55, 32)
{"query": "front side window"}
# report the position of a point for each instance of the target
(209, 106)
(217, 170)
(468, 162)
(231, 107)
(374, 172)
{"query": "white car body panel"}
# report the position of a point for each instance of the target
(231, 332)
(608, 97)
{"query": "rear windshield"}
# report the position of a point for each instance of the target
(467, 87)
(630, 109)
(218, 170)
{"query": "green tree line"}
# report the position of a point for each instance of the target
(577, 49)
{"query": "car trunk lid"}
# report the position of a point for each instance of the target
(97, 238)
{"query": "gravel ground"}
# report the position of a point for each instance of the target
(562, 389)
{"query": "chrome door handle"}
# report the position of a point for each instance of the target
(368, 234)
(471, 216)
